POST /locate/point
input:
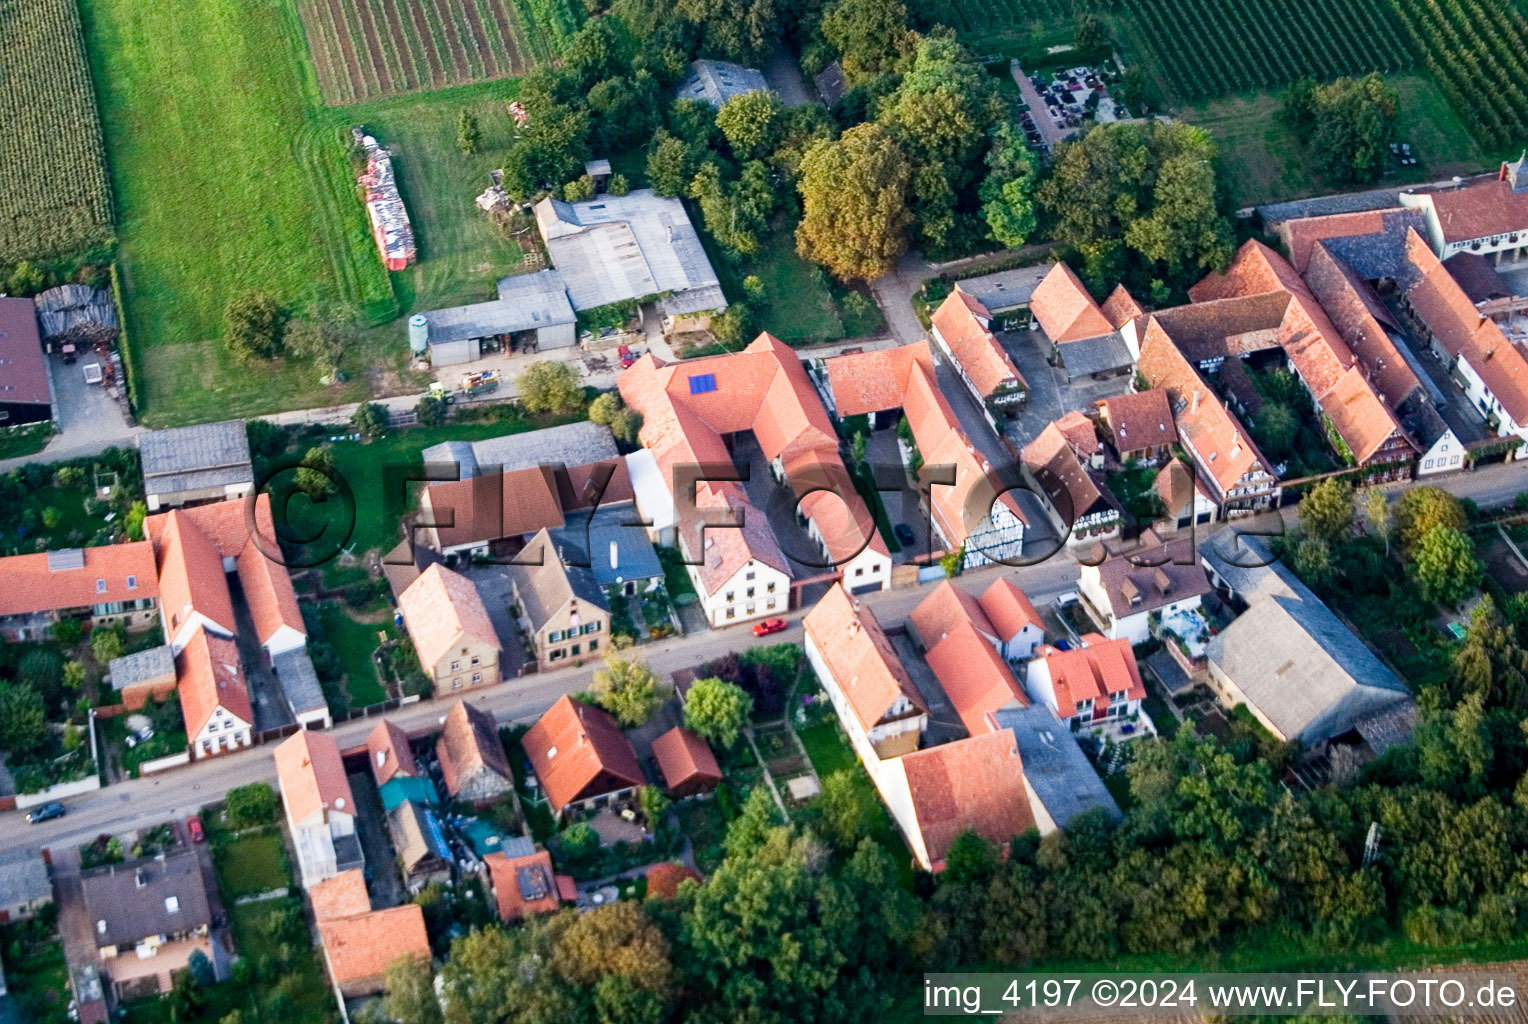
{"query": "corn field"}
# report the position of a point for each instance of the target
(54, 196)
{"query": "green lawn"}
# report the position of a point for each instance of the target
(72, 528)
(29, 440)
(35, 972)
(461, 254)
(355, 641)
(1265, 162)
(226, 178)
(252, 864)
(830, 752)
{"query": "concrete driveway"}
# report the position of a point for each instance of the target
(89, 419)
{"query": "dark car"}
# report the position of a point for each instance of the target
(904, 533)
(47, 812)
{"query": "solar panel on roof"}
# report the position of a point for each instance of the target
(702, 383)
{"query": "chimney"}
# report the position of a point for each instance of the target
(615, 555)
(1193, 405)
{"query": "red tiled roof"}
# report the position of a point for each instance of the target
(1255, 268)
(360, 949)
(864, 666)
(442, 610)
(683, 756)
(30, 586)
(974, 676)
(1010, 609)
(468, 745)
(962, 322)
(578, 751)
(1153, 578)
(209, 676)
(945, 608)
(312, 775)
(1141, 419)
(1480, 209)
(1065, 310)
(1120, 307)
(191, 577)
(688, 407)
(971, 784)
(392, 744)
(1079, 433)
(1355, 311)
(344, 895)
(1177, 490)
(874, 381)
(228, 525)
(494, 505)
(505, 874)
(1304, 233)
(1051, 452)
(1092, 672)
(269, 594)
(23, 367)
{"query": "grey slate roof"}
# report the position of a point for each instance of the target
(299, 681)
(190, 458)
(616, 248)
(141, 667)
(526, 302)
(1322, 206)
(73, 305)
(717, 81)
(1289, 654)
(583, 540)
(1055, 768)
(1380, 253)
(572, 444)
(545, 588)
(127, 902)
(23, 878)
(1095, 355)
(1006, 289)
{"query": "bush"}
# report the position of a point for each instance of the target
(252, 325)
(68, 631)
(431, 411)
(251, 805)
(370, 419)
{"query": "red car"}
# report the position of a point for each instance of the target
(627, 358)
(769, 626)
(194, 826)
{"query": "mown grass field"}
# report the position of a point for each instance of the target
(226, 179)
(53, 193)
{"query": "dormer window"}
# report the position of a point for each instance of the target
(100, 586)
(132, 583)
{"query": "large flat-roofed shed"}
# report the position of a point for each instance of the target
(26, 389)
(193, 465)
(535, 306)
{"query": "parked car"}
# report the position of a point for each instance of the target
(769, 626)
(47, 812)
(194, 827)
(904, 534)
(627, 358)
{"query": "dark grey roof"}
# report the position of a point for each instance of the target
(190, 458)
(1322, 206)
(73, 305)
(517, 846)
(23, 878)
(694, 300)
(131, 901)
(545, 588)
(1006, 289)
(1479, 279)
(572, 444)
(717, 81)
(1379, 253)
(347, 851)
(141, 667)
(583, 540)
(1095, 355)
(830, 83)
(1387, 727)
(416, 835)
(1055, 768)
(1288, 653)
(526, 302)
(299, 681)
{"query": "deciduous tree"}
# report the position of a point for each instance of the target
(628, 689)
(550, 385)
(717, 711)
(1444, 565)
(1326, 510)
(854, 195)
(252, 325)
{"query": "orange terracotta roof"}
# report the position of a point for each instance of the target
(1079, 433)
(227, 524)
(1050, 453)
(505, 873)
(962, 322)
(360, 949)
(974, 676)
(493, 505)
(1255, 268)
(946, 607)
(469, 745)
(388, 752)
(1141, 419)
(1092, 672)
(191, 577)
(1065, 309)
(874, 381)
(975, 784)
(1359, 317)
(1010, 609)
(820, 480)
(1120, 307)
(578, 751)
(1461, 330)
(269, 594)
(683, 756)
(1481, 208)
(344, 895)
(688, 407)
(1358, 415)
(312, 775)
(1177, 489)
(208, 676)
(443, 611)
(865, 667)
(30, 586)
